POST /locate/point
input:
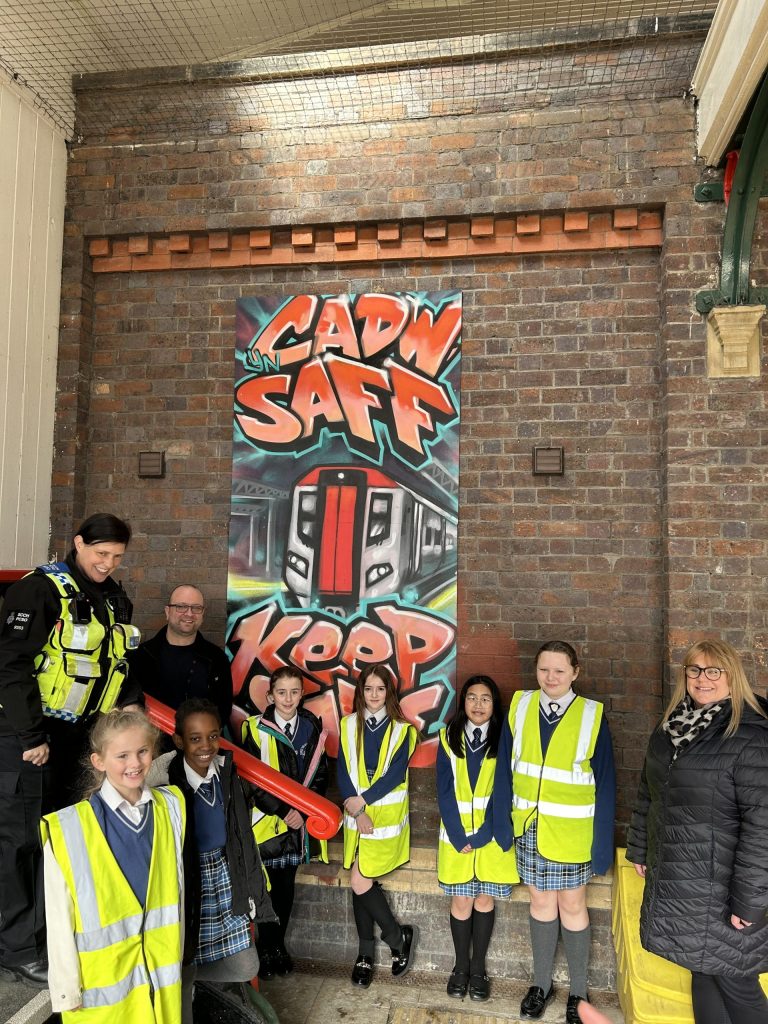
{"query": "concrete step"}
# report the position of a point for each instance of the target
(322, 929)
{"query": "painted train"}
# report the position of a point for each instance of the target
(357, 533)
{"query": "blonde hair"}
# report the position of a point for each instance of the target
(727, 658)
(104, 729)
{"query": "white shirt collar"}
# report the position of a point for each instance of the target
(293, 722)
(116, 802)
(568, 697)
(469, 730)
(196, 780)
(380, 715)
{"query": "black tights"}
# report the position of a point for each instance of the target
(721, 1000)
(283, 882)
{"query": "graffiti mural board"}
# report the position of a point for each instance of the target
(344, 520)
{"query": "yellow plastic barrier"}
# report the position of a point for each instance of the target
(651, 990)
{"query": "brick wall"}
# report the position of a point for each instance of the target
(656, 531)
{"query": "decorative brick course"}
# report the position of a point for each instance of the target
(481, 236)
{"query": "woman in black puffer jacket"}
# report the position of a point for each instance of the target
(699, 837)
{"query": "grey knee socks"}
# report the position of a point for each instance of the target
(577, 953)
(543, 944)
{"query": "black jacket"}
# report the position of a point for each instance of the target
(700, 826)
(290, 841)
(209, 676)
(21, 640)
(242, 853)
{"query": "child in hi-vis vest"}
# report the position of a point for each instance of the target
(224, 882)
(113, 884)
(376, 744)
(556, 764)
(471, 867)
(291, 740)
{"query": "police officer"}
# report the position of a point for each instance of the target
(64, 635)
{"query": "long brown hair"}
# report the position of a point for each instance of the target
(391, 703)
(728, 659)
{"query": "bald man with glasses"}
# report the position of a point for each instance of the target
(178, 662)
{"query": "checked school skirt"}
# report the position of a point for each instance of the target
(222, 933)
(546, 874)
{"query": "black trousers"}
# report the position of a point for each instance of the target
(721, 1000)
(24, 798)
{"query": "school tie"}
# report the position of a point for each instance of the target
(372, 721)
(205, 790)
(554, 709)
(288, 729)
(476, 735)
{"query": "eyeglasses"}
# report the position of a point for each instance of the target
(196, 609)
(483, 701)
(710, 672)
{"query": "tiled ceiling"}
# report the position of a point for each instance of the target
(48, 44)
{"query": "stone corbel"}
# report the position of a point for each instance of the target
(733, 341)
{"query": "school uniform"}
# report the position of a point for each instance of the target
(220, 858)
(113, 884)
(468, 782)
(377, 770)
(556, 795)
(225, 888)
(296, 749)
(555, 863)
(379, 774)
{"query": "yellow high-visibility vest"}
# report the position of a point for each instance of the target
(489, 863)
(69, 664)
(389, 845)
(557, 791)
(130, 956)
(267, 826)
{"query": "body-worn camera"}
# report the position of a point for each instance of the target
(80, 609)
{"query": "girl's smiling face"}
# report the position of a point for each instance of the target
(478, 704)
(374, 694)
(125, 760)
(555, 674)
(199, 741)
(286, 695)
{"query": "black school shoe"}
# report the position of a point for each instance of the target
(457, 984)
(535, 1002)
(283, 962)
(362, 972)
(268, 964)
(572, 1009)
(479, 987)
(34, 974)
(402, 960)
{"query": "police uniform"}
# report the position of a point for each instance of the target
(35, 614)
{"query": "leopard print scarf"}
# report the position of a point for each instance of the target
(687, 722)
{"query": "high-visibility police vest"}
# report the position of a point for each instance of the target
(559, 790)
(130, 956)
(267, 826)
(69, 665)
(389, 844)
(489, 863)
